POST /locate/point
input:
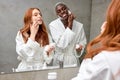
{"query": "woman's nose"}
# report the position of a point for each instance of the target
(40, 16)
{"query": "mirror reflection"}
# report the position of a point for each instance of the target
(33, 43)
(68, 35)
(54, 44)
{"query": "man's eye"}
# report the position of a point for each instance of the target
(58, 11)
(64, 9)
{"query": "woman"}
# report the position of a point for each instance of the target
(102, 61)
(32, 42)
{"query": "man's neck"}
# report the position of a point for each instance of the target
(65, 23)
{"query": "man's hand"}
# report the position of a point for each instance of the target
(70, 20)
(79, 47)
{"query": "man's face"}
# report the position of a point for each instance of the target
(62, 12)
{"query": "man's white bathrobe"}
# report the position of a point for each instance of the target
(66, 40)
(31, 55)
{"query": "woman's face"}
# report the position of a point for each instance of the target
(103, 27)
(36, 17)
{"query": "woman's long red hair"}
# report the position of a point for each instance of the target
(110, 38)
(42, 35)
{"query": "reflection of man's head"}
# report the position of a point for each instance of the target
(61, 10)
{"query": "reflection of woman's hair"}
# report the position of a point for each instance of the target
(110, 38)
(42, 35)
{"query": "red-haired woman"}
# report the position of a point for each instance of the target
(32, 42)
(102, 61)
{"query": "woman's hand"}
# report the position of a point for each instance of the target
(34, 29)
(49, 48)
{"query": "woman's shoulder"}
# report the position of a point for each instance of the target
(117, 52)
(111, 55)
(18, 34)
(107, 57)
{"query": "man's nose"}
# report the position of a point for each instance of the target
(62, 11)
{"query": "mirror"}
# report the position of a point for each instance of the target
(11, 20)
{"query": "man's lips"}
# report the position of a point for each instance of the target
(64, 15)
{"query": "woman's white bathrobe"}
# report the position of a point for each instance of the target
(31, 55)
(104, 66)
(66, 40)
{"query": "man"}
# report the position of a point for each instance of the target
(69, 36)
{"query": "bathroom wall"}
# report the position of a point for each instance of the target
(98, 14)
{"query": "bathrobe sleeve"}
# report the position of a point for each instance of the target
(49, 58)
(81, 38)
(25, 50)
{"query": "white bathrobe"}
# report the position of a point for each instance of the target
(66, 40)
(31, 55)
(104, 66)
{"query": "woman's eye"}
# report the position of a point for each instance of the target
(40, 14)
(35, 15)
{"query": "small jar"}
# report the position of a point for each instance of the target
(52, 76)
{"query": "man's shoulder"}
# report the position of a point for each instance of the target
(53, 22)
(77, 22)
